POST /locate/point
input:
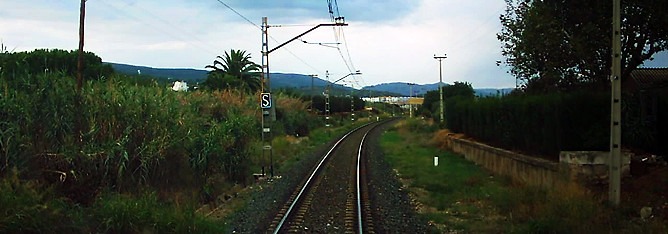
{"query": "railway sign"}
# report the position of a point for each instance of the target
(265, 100)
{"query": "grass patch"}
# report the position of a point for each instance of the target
(459, 196)
(456, 192)
(116, 213)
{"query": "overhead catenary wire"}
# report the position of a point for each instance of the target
(345, 43)
(272, 38)
(335, 15)
(339, 35)
(239, 14)
(476, 32)
(203, 46)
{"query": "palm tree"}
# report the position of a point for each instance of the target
(234, 70)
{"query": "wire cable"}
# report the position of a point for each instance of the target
(239, 14)
(335, 14)
(203, 46)
(345, 43)
(272, 38)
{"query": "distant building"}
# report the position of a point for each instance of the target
(387, 99)
(646, 98)
(647, 79)
(180, 86)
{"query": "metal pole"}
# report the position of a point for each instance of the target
(266, 87)
(312, 90)
(352, 105)
(615, 162)
(265, 112)
(327, 90)
(327, 110)
(410, 105)
(440, 83)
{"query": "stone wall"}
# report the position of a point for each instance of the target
(521, 168)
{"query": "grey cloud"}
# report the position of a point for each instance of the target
(358, 10)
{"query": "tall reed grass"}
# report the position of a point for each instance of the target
(119, 134)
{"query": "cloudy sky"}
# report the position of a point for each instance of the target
(388, 41)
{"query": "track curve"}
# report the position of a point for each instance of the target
(334, 197)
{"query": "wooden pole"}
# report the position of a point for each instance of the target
(82, 15)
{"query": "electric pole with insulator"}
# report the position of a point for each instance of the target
(615, 162)
(440, 83)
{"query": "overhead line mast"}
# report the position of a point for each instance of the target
(269, 113)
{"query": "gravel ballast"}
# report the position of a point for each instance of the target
(394, 212)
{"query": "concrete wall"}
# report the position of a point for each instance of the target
(521, 168)
(592, 165)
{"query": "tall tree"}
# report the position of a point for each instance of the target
(564, 44)
(430, 105)
(234, 70)
(41, 61)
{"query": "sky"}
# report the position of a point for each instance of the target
(387, 41)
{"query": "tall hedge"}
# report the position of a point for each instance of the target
(543, 124)
(550, 123)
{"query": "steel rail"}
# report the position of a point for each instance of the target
(313, 174)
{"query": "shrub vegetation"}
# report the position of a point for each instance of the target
(122, 145)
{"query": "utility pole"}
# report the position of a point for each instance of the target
(352, 105)
(266, 113)
(82, 16)
(313, 76)
(269, 114)
(410, 105)
(440, 83)
(327, 110)
(327, 90)
(615, 161)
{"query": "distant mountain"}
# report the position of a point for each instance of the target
(403, 88)
(184, 74)
(298, 82)
(278, 80)
(492, 92)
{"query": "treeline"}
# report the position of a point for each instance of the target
(42, 61)
(337, 104)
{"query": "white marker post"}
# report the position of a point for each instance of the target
(435, 161)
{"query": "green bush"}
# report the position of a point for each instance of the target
(26, 208)
(543, 124)
(124, 214)
(420, 126)
(29, 208)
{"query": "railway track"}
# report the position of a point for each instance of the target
(334, 197)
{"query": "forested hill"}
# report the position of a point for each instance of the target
(293, 81)
(185, 74)
(278, 80)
